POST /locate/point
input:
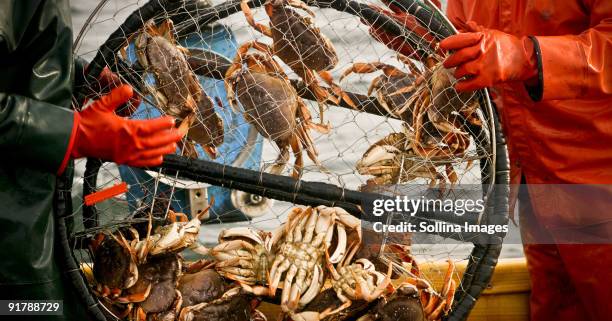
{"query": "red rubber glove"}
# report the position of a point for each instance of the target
(100, 133)
(394, 42)
(488, 57)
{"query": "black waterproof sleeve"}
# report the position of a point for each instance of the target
(36, 83)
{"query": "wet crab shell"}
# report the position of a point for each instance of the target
(174, 78)
(297, 41)
(201, 286)
(269, 103)
(162, 273)
(114, 266)
(390, 95)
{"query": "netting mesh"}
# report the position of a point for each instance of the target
(391, 123)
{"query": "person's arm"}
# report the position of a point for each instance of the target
(579, 66)
(35, 120)
(455, 13)
(34, 133)
(37, 127)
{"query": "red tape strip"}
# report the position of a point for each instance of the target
(105, 194)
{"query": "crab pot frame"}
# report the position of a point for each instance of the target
(486, 248)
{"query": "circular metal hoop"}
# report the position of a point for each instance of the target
(486, 249)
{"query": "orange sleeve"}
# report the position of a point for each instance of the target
(454, 12)
(579, 66)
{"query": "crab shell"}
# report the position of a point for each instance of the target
(297, 41)
(389, 94)
(114, 264)
(161, 275)
(270, 104)
(299, 246)
(177, 89)
(243, 255)
(201, 286)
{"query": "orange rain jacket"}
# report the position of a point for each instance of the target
(566, 136)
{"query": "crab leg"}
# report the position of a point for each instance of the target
(301, 5)
(248, 14)
(287, 285)
(310, 228)
(315, 284)
(136, 297)
(378, 291)
(327, 77)
(281, 161)
(247, 232)
(296, 289)
(297, 152)
(338, 254)
(275, 275)
(320, 93)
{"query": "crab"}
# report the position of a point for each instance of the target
(201, 283)
(115, 268)
(243, 255)
(159, 276)
(393, 160)
(299, 44)
(272, 105)
(434, 304)
(433, 115)
(393, 88)
(177, 91)
(437, 117)
(358, 281)
(299, 246)
(435, 102)
(116, 260)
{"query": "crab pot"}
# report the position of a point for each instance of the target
(285, 109)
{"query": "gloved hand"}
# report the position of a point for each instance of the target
(488, 57)
(100, 133)
(394, 42)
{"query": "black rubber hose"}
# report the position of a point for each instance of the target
(71, 268)
(194, 168)
(90, 181)
(484, 256)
